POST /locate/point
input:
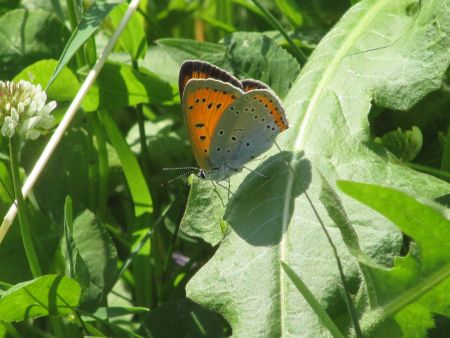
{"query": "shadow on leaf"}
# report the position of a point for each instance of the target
(262, 207)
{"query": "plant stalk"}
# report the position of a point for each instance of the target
(25, 229)
(274, 22)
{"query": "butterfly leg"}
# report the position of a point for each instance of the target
(256, 172)
(218, 193)
(227, 189)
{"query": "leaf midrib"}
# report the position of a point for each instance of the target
(300, 140)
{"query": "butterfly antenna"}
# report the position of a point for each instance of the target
(180, 168)
(179, 176)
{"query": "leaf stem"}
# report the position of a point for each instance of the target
(274, 22)
(348, 300)
(14, 143)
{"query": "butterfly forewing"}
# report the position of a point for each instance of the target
(204, 102)
(202, 70)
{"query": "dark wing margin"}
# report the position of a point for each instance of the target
(193, 69)
(250, 84)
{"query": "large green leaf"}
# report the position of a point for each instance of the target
(247, 55)
(28, 36)
(63, 89)
(419, 284)
(380, 52)
(45, 295)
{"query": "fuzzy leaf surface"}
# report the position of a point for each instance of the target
(379, 52)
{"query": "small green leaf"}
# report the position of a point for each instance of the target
(96, 263)
(405, 145)
(45, 295)
(206, 211)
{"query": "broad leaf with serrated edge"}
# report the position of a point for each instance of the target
(380, 51)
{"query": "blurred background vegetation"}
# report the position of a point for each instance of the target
(153, 128)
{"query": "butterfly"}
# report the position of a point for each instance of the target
(229, 122)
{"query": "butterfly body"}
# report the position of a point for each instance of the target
(229, 122)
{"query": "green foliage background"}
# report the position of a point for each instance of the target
(366, 91)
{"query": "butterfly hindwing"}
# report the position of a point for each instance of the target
(250, 84)
(247, 129)
(204, 102)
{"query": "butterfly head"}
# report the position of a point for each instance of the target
(202, 174)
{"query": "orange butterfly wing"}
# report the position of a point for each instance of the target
(204, 102)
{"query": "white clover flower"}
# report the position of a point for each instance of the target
(23, 109)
